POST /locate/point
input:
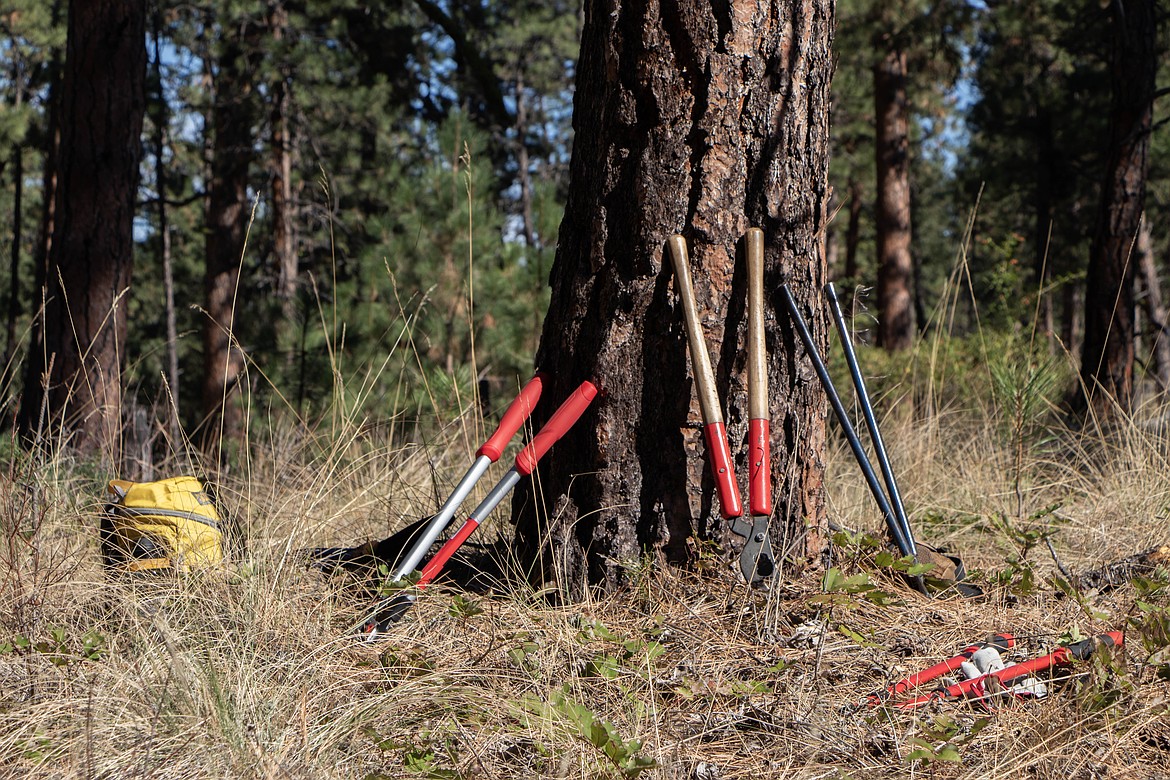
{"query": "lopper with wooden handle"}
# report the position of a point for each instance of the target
(757, 561)
(714, 429)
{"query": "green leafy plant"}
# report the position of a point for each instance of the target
(523, 656)
(623, 754)
(840, 590)
(1151, 624)
(941, 738)
(58, 648)
(464, 608)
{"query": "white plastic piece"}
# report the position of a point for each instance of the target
(987, 660)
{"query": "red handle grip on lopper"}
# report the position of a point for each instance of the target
(518, 411)
(557, 426)
(759, 468)
(721, 469)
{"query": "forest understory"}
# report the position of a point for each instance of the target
(253, 671)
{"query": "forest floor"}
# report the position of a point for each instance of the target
(683, 674)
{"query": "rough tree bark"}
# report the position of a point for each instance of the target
(704, 120)
(161, 142)
(853, 234)
(228, 213)
(76, 373)
(895, 266)
(1108, 350)
(284, 238)
(1155, 309)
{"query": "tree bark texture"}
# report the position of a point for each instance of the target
(1155, 309)
(703, 120)
(228, 215)
(284, 238)
(1108, 349)
(1042, 204)
(89, 262)
(895, 267)
(853, 234)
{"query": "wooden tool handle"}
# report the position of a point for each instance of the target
(713, 428)
(757, 354)
(700, 360)
(759, 435)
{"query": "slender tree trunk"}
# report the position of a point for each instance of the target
(706, 120)
(161, 122)
(1154, 307)
(1108, 354)
(895, 267)
(832, 239)
(14, 303)
(283, 224)
(522, 164)
(89, 266)
(853, 234)
(228, 215)
(44, 246)
(1041, 267)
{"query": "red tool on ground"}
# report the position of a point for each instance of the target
(404, 550)
(1002, 642)
(518, 411)
(391, 609)
(996, 683)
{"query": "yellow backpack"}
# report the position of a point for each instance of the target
(169, 524)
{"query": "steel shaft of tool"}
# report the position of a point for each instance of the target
(871, 480)
(517, 412)
(870, 420)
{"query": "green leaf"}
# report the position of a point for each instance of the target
(948, 753)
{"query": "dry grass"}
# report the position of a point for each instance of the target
(249, 673)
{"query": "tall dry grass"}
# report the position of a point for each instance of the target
(252, 671)
(249, 672)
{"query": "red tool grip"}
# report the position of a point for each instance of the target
(759, 468)
(518, 411)
(436, 564)
(1061, 657)
(1002, 642)
(720, 457)
(557, 426)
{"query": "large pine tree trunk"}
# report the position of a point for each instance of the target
(1108, 352)
(895, 267)
(88, 268)
(228, 215)
(702, 120)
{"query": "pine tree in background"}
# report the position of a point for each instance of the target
(905, 57)
(1107, 357)
(1037, 131)
(73, 382)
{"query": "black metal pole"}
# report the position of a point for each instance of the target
(850, 434)
(870, 421)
